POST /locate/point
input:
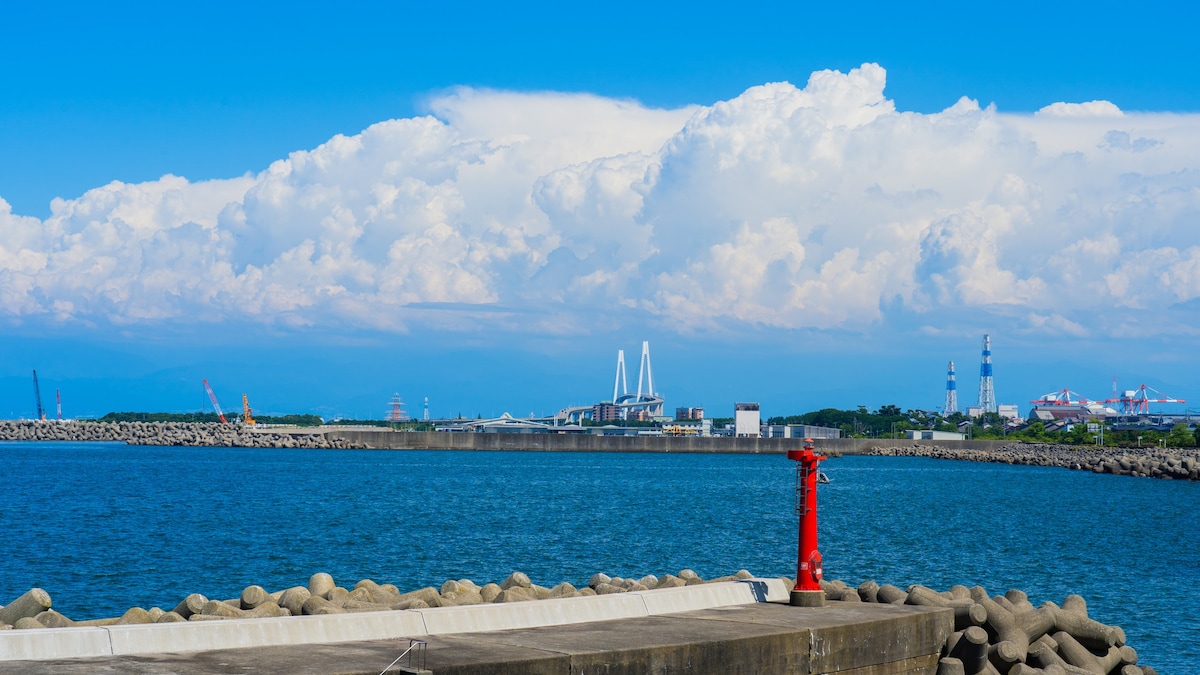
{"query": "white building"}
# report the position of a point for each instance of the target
(746, 420)
(801, 431)
(927, 435)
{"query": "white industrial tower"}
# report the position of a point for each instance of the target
(987, 391)
(426, 408)
(951, 392)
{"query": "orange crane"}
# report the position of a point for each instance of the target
(216, 406)
(247, 418)
(1137, 401)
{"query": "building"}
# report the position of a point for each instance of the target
(1076, 411)
(1009, 411)
(605, 412)
(800, 431)
(928, 435)
(689, 413)
(746, 420)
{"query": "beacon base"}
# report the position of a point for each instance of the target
(807, 599)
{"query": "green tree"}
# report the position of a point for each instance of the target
(1181, 436)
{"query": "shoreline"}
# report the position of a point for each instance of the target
(1155, 462)
(1163, 463)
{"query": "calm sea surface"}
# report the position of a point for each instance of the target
(104, 527)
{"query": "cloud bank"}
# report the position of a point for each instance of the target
(822, 207)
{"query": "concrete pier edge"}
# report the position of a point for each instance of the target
(85, 642)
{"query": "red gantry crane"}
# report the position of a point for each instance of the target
(216, 406)
(1137, 401)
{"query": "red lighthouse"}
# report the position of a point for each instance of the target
(807, 592)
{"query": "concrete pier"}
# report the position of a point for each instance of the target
(739, 628)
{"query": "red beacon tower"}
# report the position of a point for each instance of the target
(807, 592)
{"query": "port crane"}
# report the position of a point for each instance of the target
(213, 397)
(247, 417)
(1062, 397)
(1137, 401)
(37, 394)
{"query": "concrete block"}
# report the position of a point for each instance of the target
(33, 602)
(778, 590)
(241, 633)
(53, 643)
(688, 598)
(506, 616)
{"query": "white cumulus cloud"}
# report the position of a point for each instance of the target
(790, 207)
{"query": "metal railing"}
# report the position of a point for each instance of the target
(415, 654)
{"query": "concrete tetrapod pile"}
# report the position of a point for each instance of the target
(323, 596)
(1168, 463)
(167, 433)
(1007, 635)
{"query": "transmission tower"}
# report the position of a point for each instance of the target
(987, 391)
(396, 411)
(951, 392)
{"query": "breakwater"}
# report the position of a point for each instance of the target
(1002, 635)
(322, 596)
(1006, 634)
(170, 434)
(1166, 463)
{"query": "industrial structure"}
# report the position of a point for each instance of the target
(216, 406)
(40, 413)
(1137, 401)
(951, 392)
(987, 390)
(1132, 407)
(395, 411)
(247, 415)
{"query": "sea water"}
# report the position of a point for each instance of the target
(104, 526)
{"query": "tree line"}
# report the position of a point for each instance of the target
(889, 421)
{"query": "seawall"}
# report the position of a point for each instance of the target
(1169, 463)
(431, 440)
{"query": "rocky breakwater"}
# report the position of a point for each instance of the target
(993, 635)
(1007, 635)
(1168, 463)
(322, 595)
(168, 433)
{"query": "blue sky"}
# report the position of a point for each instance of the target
(518, 193)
